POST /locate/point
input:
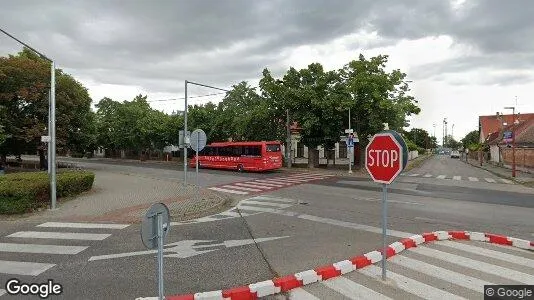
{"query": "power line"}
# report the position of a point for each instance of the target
(183, 98)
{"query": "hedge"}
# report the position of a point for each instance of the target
(27, 191)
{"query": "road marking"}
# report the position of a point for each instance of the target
(36, 248)
(457, 177)
(270, 181)
(60, 235)
(441, 177)
(469, 282)
(228, 191)
(427, 175)
(475, 264)
(290, 180)
(253, 185)
(352, 290)
(241, 188)
(473, 179)
(23, 268)
(362, 227)
(267, 184)
(2, 292)
(413, 175)
(274, 199)
(83, 225)
(490, 180)
(409, 285)
(506, 181)
(490, 253)
(301, 294)
(389, 201)
(252, 202)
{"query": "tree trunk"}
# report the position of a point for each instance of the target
(313, 158)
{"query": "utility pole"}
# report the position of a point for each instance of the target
(51, 120)
(186, 138)
(288, 140)
(350, 150)
(513, 138)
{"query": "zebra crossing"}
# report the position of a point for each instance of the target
(56, 235)
(441, 270)
(268, 184)
(459, 178)
(248, 207)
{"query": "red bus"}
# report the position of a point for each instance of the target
(241, 156)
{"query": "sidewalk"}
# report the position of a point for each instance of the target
(503, 172)
(125, 198)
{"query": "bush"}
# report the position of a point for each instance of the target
(26, 191)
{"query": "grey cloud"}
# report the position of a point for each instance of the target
(156, 44)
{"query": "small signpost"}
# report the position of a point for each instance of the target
(385, 158)
(350, 147)
(507, 136)
(154, 229)
(198, 142)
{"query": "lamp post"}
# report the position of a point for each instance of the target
(52, 121)
(513, 138)
(186, 138)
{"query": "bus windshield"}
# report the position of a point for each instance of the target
(273, 148)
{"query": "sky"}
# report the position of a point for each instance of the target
(465, 58)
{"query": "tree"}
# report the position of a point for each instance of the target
(421, 138)
(24, 96)
(379, 97)
(471, 139)
(452, 143)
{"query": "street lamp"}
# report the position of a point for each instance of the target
(51, 118)
(186, 138)
(513, 138)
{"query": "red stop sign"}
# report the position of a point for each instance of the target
(384, 158)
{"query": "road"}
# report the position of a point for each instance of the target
(295, 223)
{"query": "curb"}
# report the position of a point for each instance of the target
(498, 174)
(289, 282)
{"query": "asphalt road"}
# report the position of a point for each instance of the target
(296, 228)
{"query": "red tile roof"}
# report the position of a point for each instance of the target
(491, 124)
(523, 131)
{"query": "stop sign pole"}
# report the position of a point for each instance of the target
(386, 156)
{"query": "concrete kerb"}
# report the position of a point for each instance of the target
(500, 175)
(299, 279)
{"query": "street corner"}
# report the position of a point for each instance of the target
(197, 204)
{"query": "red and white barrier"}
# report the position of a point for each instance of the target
(283, 284)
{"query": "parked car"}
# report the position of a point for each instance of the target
(455, 154)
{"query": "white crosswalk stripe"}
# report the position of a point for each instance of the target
(261, 185)
(441, 177)
(506, 181)
(412, 286)
(473, 179)
(459, 272)
(491, 180)
(413, 175)
(457, 177)
(352, 290)
(427, 175)
(23, 243)
(60, 235)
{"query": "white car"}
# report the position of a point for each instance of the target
(455, 154)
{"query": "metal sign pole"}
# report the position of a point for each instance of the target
(198, 143)
(384, 224)
(160, 256)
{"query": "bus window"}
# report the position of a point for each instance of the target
(237, 150)
(273, 148)
(252, 150)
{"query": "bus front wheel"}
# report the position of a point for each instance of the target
(240, 168)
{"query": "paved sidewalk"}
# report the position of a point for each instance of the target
(521, 177)
(117, 197)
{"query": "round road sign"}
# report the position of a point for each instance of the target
(198, 139)
(386, 156)
(149, 225)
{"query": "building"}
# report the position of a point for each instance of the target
(501, 151)
(495, 123)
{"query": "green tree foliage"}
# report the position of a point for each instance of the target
(24, 97)
(452, 143)
(421, 138)
(471, 139)
(132, 125)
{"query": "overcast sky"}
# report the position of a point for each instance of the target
(465, 58)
